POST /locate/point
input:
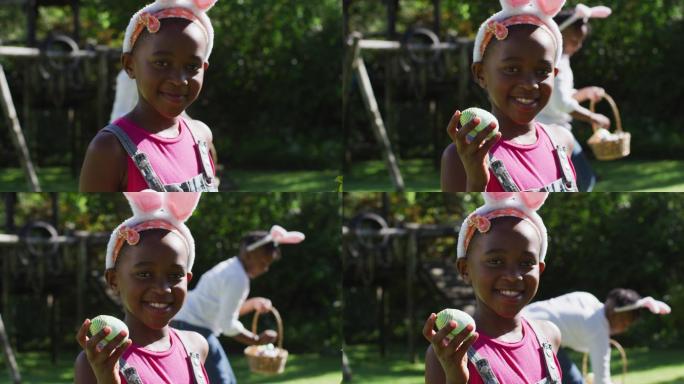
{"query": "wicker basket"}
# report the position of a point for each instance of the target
(267, 365)
(623, 355)
(609, 149)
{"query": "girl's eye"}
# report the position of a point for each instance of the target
(511, 70)
(161, 63)
(143, 275)
(528, 264)
(544, 72)
(177, 276)
(194, 67)
(494, 262)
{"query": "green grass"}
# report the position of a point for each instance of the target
(644, 366)
(35, 367)
(59, 179)
(621, 175)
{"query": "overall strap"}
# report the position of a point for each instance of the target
(197, 184)
(128, 372)
(561, 154)
(139, 158)
(202, 149)
(498, 169)
(547, 353)
(482, 366)
(194, 357)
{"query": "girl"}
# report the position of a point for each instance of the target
(148, 264)
(211, 314)
(565, 99)
(501, 249)
(166, 50)
(516, 54)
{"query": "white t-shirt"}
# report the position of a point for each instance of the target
(216, 300)
(584, 327)
(561, 103)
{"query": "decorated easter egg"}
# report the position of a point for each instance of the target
(461, 318)
(485, 119)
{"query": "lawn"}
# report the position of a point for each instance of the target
(644, 366)
(58, 179)
(35, 367)
(621, 175)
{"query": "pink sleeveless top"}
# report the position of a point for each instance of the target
(169, 367)
(531, 166)
(174, 160)
(512, 363)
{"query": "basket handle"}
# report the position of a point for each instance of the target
(623, 357)
(616, 112)
(279, 320)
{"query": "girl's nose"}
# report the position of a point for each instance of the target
(179, 77)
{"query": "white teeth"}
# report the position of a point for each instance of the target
(159, 305)
(524, 101)
(509, 293)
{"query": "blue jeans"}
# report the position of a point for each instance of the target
(586, 178)
(217, 364)
(571, 374)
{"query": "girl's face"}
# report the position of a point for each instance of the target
(518, 73)
(573, 38)
(257, 262)
(503, 266)
(169, 66)
(152, 278)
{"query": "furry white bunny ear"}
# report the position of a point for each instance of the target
(182, 204)
(534, 200)
(144, 202)
(550, 7)
(204, 5)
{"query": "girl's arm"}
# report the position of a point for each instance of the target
(464, 166)
(95, 364)
(259, 304)
(552, 333)
(104, 166)
(199, 343)
(563, 137)
(447, 361)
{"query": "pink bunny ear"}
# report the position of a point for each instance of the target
(204, 5)
(281, 236)
(534, 200)
(655, 306)
(144, 202)
(550, 7)
(515, 3)
(600, 12)
(182, 204)
(498, 196)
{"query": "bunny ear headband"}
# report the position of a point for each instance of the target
(653, 305)
(149, 16)
(523, 205)
(277, 235)
(584, 12)
(154, 210)
(534, 12)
